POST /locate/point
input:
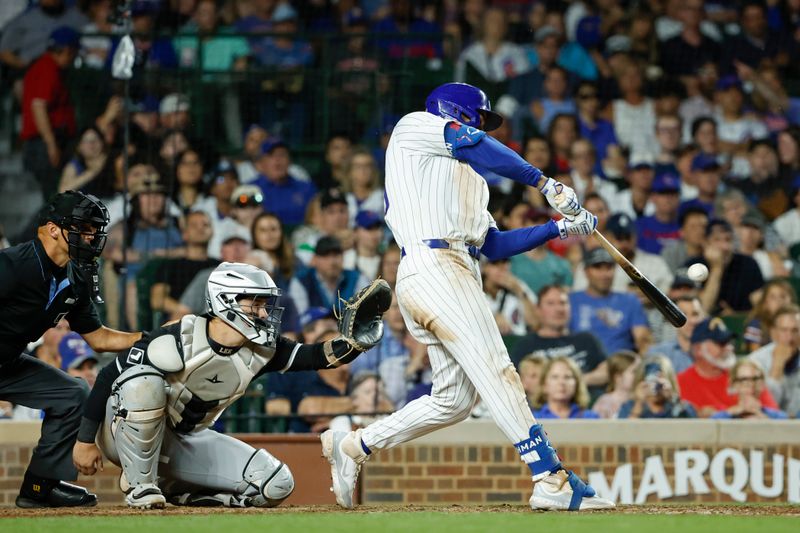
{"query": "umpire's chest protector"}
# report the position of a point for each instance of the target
(209, 381)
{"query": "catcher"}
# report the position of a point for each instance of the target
(151, 408)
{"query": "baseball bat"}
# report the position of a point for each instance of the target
(666, 306)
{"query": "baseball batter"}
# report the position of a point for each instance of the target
(152, 407)
(436, 206)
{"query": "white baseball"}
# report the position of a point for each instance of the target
(697, 272)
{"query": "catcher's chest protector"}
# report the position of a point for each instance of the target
(209, 382)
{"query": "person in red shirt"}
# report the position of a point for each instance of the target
(48, 118)
(705, 384)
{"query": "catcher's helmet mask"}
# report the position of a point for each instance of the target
(229, 284)
(464, 103)
(83, 219)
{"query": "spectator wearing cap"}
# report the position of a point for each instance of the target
(635, 200)
(254, 137)
(705, 384)
(788, 224)
(151, 232)
(616, 318)
(552, 337)
(361, 183)
(152, 51)
(48, 117)
(175, 274)
(633, 114)
(235, 247)
(27, 36)
(173, 112)
(693, 222)
(621, 231)
(747, 383)
(736, 128)
(732, 277)
(597, 130)
(763, 187)
(683, 54)
(284, 195)
(678, 350)
(537, 267)
(707, 178)
(246, 205)
(326, 281)
(493, 58)
(144, 113)
(77, 358)
(582, 160)
(333, 220)
(365, 255)
(780, 359)
(755, 43)
(283, 51)
(656, 230)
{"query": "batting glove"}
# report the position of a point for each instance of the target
(583, 224)
(561, 197)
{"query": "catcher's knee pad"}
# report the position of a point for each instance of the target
(267, 481)
(139, 400)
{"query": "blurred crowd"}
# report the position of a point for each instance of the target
(677, 122)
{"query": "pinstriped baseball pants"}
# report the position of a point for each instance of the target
(442, 301)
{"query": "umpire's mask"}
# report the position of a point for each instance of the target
(83, 220)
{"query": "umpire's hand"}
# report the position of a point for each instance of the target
(87, 458)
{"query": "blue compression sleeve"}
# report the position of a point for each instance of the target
(483, 151)
(501, 244)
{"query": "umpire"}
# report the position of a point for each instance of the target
(42, 281)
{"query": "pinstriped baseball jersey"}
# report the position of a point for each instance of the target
(429, 194)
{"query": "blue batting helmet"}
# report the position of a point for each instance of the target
(464, 103)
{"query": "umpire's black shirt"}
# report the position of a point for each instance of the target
(35, 294)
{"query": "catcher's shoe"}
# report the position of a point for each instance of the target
(146, 496)
(189, 499)
(344, 453)
(61, 494)
(565, 491)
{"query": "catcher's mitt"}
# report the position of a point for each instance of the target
(360, 319)
(360, 323)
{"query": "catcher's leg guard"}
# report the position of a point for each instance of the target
(267, 481)
(139, 398)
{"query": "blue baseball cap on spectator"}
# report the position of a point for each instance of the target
(368, 220)
(355, 17)
(641, 161)
(731, 81)
(587, 33)
(712, 329)
(63, 37)
(271, 144)
(703, 162)
(74, 351)
(148, 104)
(666, 182)
(313, 314)
(143, 7)
(795, 185)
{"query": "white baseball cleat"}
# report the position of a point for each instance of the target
(565, 491)
(146, 496)
(344, 469)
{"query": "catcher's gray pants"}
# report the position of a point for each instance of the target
(207, 462)
(30, 382)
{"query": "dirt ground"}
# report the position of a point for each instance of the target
(667, 509)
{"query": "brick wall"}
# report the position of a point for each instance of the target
(492, 474)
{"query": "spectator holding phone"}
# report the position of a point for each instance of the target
(656, 393)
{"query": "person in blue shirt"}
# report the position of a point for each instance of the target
(747, 382)
(592, 127)
(401, 20)
(562, 391)
(617, 319)
(655, 230)
(284, 195)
